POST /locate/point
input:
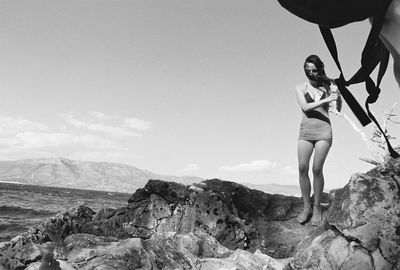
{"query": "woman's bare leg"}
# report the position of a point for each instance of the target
(304, 151)
(321, 151)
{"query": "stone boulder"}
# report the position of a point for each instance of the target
(362, 225)
(238, 217)
(178, 217)
(167, 251)
(28, 247)
(223, 225)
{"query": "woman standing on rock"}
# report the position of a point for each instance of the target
(314, 98)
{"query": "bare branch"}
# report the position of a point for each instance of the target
(396, 122)
(371, 161)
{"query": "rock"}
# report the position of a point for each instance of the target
(30, 246)
(191, 220)
(63, 266)
(104, 213)
(370, 214)
(223, 225)
(362, 225)
(166, 251)
(324, 249)
(91, 252)
(241, 259)
(49, 263)
(33, 266)
(236, 216)
(175, 251)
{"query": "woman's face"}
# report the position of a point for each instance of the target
(311, 71)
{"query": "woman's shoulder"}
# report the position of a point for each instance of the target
(301, 87)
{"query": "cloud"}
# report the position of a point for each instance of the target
(94, 135)
(99, 115)
(40, 140)
(12, 125)
(71, 120)
(190, 168)
(114, 131)
(290, 170)
(109, 125)
(18, 134)
(138, 124)
(254, 166)
(31, 144)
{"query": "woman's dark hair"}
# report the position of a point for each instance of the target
(322, 78)
(314, 59)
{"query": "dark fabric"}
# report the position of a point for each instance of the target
(373, 54)
(334, 13)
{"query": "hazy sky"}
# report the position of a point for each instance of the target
(178, 87)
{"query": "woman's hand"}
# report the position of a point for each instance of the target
(332, 97)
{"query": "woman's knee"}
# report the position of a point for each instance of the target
(317, 170)
(303, 169)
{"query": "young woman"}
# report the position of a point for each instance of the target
(314, 98)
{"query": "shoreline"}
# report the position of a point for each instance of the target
(11, 182)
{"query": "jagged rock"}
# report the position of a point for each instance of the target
(236, 216)
(244, 260)
(62, 265)
(370, 213)
(324, 249)
(165, 251)
(167, 225)
(104, 213)
(29, 246)
(363, 225)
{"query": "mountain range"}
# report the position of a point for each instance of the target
(104, 176)
(62, 172)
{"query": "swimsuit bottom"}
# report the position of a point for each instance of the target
(315, 131)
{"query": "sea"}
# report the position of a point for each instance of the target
(23, 206)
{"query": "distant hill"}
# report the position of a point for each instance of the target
(62, 172)
(104, 176)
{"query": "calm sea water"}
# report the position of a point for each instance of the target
(23, 206)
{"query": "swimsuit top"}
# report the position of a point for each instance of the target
(320, 113)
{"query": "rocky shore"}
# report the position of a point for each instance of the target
(223, 225)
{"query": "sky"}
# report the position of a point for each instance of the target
(178, 87)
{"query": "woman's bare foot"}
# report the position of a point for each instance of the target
(49, 263)
(305, 215)
(316, 219)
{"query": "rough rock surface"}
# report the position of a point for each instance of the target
(362, 228)
(223, 225)
(161, 251)
(236, 216)
(28, 247)
(231, 214)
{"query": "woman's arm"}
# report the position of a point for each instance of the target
(336, 106)
(339, 102)
(310, 106)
